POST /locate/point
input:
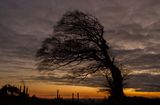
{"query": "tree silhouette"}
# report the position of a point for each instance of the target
(10, 90)
(78, 47)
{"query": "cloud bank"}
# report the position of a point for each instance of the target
(132, 29)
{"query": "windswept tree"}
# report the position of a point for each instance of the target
(78, 46)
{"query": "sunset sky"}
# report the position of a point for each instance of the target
(132, 29)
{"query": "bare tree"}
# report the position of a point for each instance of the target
(78, 47)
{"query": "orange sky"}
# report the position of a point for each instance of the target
(49, 91)
(41, 90)
(46, 90)
(133, 92)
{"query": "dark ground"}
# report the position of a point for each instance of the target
(37, 101)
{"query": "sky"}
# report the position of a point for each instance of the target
(132, 29)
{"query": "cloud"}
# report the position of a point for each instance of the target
(92, 82)
(144, 82)
(132, 29)
(141, 82)
(135, 46)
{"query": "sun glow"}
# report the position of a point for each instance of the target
(49, 91)
(132, 92)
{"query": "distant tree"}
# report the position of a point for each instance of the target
(9, 90)
(78, 46)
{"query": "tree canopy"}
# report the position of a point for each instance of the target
(77, 45)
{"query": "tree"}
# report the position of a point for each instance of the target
(10, 90)
(78, 46)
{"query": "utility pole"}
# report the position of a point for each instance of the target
(58, 94)
(20, 89)
(78, 97)
(26, 90)
(72, 96)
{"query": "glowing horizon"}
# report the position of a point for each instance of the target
(93, 93)
(42, 90)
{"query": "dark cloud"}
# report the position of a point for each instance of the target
(132, 29)
(92, 82)
(141, 82)
(136, 46)
(144, 82)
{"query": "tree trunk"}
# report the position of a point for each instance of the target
(117, 89)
